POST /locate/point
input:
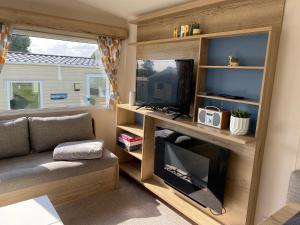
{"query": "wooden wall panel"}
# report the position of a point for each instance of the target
(187, 50)
(20, 17)
(177, 9)
(231, 15)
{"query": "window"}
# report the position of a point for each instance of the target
(52, 72)
(97, 89)
(24, 95)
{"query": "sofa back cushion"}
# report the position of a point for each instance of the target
(47, 132)
(14, 137)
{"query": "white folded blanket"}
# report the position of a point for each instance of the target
(77, 150)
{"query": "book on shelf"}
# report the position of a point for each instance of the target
(130, 137)
(129, 143)
(129, 148)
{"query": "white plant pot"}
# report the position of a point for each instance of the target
(239, 126)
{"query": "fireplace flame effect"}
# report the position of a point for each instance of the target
(179, 173)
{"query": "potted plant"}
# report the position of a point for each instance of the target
(239, 122)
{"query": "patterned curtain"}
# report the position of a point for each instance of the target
(5, 36)
(110, 56)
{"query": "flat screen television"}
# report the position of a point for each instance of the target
(165, 83)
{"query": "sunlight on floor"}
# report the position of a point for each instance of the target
(130, 205)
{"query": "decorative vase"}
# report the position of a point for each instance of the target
(239, 126)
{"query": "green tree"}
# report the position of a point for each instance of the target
(20, 43)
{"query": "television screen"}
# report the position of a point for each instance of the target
(166, 83)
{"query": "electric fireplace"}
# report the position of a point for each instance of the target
(192, 166)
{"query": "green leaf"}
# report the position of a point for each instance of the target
(240, 114)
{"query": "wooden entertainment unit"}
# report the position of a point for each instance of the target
(140, 164)
(255, 35)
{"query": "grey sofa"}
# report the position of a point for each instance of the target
(27, 168)
(294, 187)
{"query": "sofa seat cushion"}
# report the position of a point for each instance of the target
(47, 132)
(26, 171)
(14, 137)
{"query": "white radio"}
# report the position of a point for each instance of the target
(214, 117)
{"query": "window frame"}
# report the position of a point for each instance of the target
(9, 89)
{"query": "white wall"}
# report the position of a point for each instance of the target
(282, 144)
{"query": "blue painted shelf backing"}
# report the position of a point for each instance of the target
(251, 51)
(245, 83)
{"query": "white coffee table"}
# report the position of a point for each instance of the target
(38, 211)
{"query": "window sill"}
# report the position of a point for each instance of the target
(50, 110)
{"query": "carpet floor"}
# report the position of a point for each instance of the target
(131, 204)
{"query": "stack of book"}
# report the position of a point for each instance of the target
(129, 142)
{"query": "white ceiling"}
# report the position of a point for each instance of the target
(112, 12)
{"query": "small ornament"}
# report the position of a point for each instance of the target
(182, 31)
(179, 31)
(233, 61)
(186, 30)
(175, 32)
(191, 29)
(196, 29)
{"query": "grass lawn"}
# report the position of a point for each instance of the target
(25, 96)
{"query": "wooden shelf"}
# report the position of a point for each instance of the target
(137, 153)
(169, 196)
(197, 37)
(233, 67)
(222, 134)
(242, 101)
(132, 168)
(134, 109)
(133, 128)
(235, 33)
(167, 40)
(189, 124)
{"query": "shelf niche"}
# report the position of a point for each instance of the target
(246, 80)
